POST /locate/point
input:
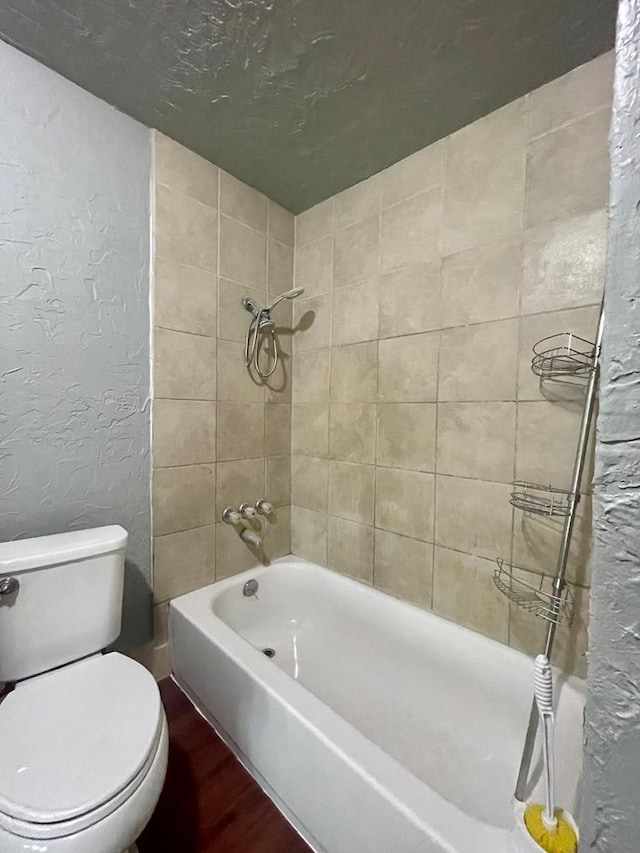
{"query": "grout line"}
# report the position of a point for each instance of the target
(377, 394)
(186, 530)
(152, 336)
(205, 270)
(566, 124)
(217, 206)
(217, 365)
(185, 332)
(264, 401)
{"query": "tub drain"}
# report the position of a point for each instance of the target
(270, 653)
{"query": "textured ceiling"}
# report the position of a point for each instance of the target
(302, 98)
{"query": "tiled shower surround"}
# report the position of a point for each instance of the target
(218, 437)
(414, 407)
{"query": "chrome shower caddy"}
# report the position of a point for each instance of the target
(567, 359)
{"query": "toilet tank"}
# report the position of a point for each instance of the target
(68, 600)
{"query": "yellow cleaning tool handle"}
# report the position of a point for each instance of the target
(543, 690)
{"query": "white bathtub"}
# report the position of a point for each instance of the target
(377, 727)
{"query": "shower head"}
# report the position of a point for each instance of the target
(289, 294)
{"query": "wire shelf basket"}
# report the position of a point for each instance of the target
(541, 500)
(554, 608)
(563, 357)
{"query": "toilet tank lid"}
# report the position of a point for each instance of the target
(23, 554)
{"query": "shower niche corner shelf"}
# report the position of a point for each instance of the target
(563, 357)
(536, 499)
(557, 609)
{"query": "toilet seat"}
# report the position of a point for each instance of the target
(77, 743)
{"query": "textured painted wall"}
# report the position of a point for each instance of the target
(302, 98)
(74, 316)
(612, 755)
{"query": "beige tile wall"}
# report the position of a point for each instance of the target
(219, 438)
(414, 407)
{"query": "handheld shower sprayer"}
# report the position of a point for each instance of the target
(289, 294)
(261, 328)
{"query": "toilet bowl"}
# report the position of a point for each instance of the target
(84, 744)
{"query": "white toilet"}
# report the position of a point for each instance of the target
(83, 735)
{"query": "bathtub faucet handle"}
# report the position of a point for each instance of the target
(230, 515)
(247, 511)
(264, 507)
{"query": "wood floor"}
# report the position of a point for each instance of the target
(209, 801)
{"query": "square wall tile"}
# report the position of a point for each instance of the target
(403, 567)
(479, 362)
(547, 441)
(314, 267)
(237, 482)
(184, 366)
(277, 429)
(282, 224)
(481, 283)
(407, 436)
(358, 202)
(464, 592)
(484, 180)
(415, 173)
(278, 480)
(356, 252)
(186, 298)
(352, 432)
(243, 254)
(309, 535)
(184, 432)
(564, 264)
(183, 498)
(180, 169)
(474, 516)
(279, 387)
(183, 561)
(351, 490)
(355, 313)
(314, 223)
(410, 300)
(568, 170)
(233, 317)
(236, 383)
(161, 622)
(477, 440)
(240, 201)
(537, 538)
(186, 231)
(354, 373)
(310, 430)
(405, 502)
(410, 231)
(233, 555)
(574, 95)
(311, 372)
(277, 533)
(312, 323)
(350, 550)
(279, 268)
(240, 431)
(408, 368)
(310, 483)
